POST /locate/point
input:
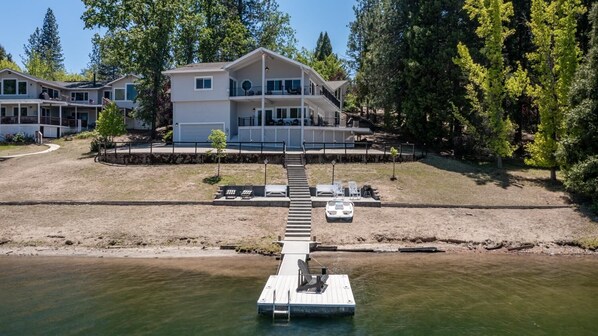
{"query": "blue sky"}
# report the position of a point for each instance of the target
(308, 18)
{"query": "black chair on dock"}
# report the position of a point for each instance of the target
(308, 281)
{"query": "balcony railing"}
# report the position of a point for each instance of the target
(322, 122)
(55, 121)
(283, 91)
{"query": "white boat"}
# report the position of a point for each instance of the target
(339, 209)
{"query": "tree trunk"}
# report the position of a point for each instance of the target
(553, 174)
(498, 162)
(218, 167)
(155, 90)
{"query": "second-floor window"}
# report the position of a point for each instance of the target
(131, 92)
(9, 86)
(52, 94)
(79, 96)
(203, 83)
(119, 94)
(22, 88)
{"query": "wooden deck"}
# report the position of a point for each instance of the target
(336, 300)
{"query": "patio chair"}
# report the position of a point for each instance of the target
(280, 122)
(339, 191)
(295, 122)
(354, 191)
(308, 281)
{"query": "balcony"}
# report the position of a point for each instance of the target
(54, 121)
(284, 91)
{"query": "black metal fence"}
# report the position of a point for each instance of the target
(126, 147)
(404, 149)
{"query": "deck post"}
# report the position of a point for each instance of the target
(19, 113)
(263, 93)
(39, 112)
(302, 113)
(59, 116)
(151, 147)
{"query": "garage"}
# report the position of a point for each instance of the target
(197, 132)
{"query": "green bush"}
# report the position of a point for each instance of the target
(98, 143)
(18, 138)
(86, 135)
(582, 179)
(168, 136)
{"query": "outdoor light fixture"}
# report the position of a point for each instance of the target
(176, 125)
(267, 69)
(265, 170)
(333, 163)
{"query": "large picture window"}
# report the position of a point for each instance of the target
(281, 112)
(203, 83)
(131, 92)
(10, 86)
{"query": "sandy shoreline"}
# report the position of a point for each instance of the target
(168, 252)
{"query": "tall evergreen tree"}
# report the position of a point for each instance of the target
(323, 47)
(100, 65)
(554, 63)
(578, 150)
(490, 85)
(50, 43)
(43, 51)
(4, 55)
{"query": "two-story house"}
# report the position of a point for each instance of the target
(29, 104)
(298, 104)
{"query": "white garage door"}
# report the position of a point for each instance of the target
(197, 132)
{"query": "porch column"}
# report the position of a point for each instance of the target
(60, 115)
(39, 112)
(76, 113)
(302, 113)
(0, 114)
(19, 113)
(263, 93)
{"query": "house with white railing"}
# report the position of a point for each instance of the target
(29, 104)
(260, 97)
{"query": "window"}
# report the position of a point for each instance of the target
(281, 112)
(295, 112)
(51, 92)
(293, 84)
(274, 85)
(3, 112)
(10, 86)
(131, 92)
(119, 94)
(203, 83)
(79, 96)
(22, 88)
(108, 94)
(232, 87)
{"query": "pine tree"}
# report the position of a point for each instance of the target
(50, 43)
(323, 47)
(4, 55)
(578, 150)
(554, 62)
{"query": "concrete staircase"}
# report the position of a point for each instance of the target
(299, 219)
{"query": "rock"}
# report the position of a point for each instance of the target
(4, 241)
(68, 242)
(55, 236)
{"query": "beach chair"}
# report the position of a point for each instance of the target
(231, 193)
(354, 191)
(308, 281)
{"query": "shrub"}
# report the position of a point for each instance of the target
(168, 136)
(18, 138)
(582, 178)
(86, 135)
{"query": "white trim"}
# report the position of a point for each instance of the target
(199, 123)
(121, 78)
(124, 94)
(211, 78)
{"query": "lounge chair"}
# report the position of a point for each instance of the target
(324, 190)
(274, 190)
(247, 193)
(308, 281)
(354, 191)
(339, 191)
(231, 193)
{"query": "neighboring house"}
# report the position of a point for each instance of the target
(29, 104)
(231, 96)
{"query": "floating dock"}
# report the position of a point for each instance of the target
(280, 297)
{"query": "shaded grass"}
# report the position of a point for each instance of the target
(436, 180)
(20, 149)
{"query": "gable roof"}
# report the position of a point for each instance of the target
(335, 85)
(68, 85)
(32, 78)
(121, 77)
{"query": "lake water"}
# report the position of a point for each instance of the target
(396, 295)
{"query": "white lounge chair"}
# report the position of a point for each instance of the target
(354, 191)
(325, 190)
(276, 190)
(339, 191)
